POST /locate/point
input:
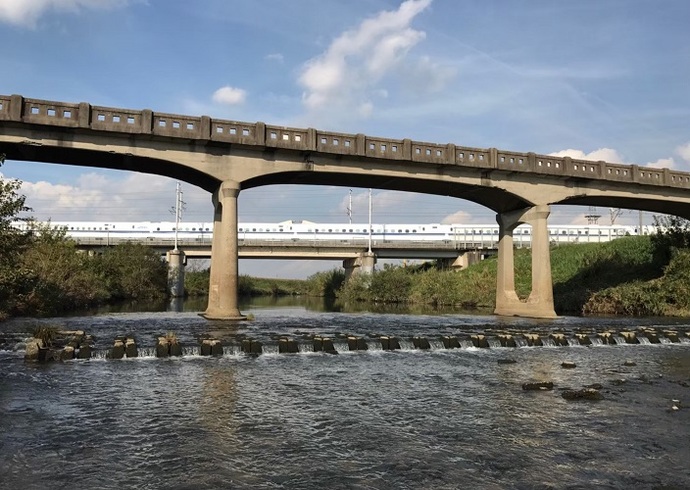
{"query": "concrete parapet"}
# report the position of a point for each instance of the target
(356, 343)
(421, 343)
(251, 346)
(450, 342)
(389, 343)
(287, 346)
(211, 347)
(479, 340)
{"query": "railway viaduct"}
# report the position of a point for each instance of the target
(225, 157)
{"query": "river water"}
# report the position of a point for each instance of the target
(428, 419)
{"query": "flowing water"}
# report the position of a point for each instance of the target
(411, 418)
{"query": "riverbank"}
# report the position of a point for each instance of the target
(627, 276)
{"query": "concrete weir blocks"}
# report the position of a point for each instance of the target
(168, 346)
(252, 347)
(390, 343)
(533, 340)
(421, 343)
(211, 347)
(450, 342)
(629, 337)
(287, 346)
(356, 343)
(583, 339)
(480, 341)
(507, 340)
(559, 339)
(324, 344)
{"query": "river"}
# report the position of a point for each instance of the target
(407, 419)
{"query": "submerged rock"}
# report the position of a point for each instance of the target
(538, 386)
(584, 394)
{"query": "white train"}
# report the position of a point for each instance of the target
(485, 235)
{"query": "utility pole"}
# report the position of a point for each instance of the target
(370, 207)
(178, 210)
(349, 209)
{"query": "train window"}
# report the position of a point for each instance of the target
(350, 230)
(414, 231)
(193, 229)
(207, 229)
(344, 230)
(563, 232)
(253, 229)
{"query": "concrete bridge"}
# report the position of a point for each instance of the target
(225, 157)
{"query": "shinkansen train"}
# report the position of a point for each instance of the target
(306, 230)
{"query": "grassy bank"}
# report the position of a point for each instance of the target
(625, 276)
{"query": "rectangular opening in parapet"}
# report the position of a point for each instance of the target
(219, 129)
(286, 137)
(130, 120)
(176, 124)
(116, 119)
(335, 142)
(233, 130)
(298, 137)
(347, 143)
(245, 132)
(101, 117)
(190, 126)
(162, 123)
(67, 114)
(34, 110)
(1, 106)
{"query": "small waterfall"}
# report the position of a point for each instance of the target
(520, 342)
(619, 340)
(684, 340)
(548, 342)
(572, 342)
(191, 351)
(494, 343)
(465, 344)
(595, 340)
(644, 340)
(664, 340)
(303, 348)
(406, 344)
(341, 347)
(438, 345)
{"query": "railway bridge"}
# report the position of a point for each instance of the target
(225, 157)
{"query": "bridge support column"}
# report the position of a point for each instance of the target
(539, 304)
(175, 260)
(222, 292)
(364, 264)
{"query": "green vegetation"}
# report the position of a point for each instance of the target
(196, 284)
(42, 273)
(628, 276)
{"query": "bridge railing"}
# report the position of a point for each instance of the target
(34, 111)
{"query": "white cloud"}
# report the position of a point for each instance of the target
(684, 151)
(605, 154)
(275, 57)
(229, 95)
(663, 163)
(97, 197)
(459, 217)
(345, 74)
(26, 12)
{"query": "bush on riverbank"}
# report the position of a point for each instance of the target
(578, 270)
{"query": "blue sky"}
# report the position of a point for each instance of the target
(604, 79)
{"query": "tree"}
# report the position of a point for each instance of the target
(13, 242)
(673, 234)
